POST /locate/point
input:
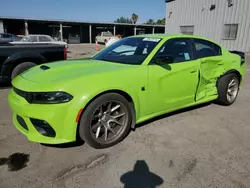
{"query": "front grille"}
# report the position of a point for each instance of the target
(26, 95)
(43, 127)
(21, 121)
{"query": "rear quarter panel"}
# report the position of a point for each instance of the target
(233, 63)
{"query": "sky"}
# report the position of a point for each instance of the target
(83, 10)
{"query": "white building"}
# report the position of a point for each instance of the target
(225, 21)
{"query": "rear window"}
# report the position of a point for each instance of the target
(107, 34)
(205, 48)
(33, 39)
(44, 39)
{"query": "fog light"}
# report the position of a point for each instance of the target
(21, 122)
(43, 127)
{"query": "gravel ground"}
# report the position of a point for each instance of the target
(82, 50)
(206, 146)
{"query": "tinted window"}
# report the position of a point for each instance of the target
(128, 51)
(179, 49)
(6, 36)
(44, 39)
(205, 48)
(107, 34)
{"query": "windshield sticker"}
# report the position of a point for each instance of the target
(151, 39)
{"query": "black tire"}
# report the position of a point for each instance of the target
(85, 127)
(105, 41)
(222, 86)
(21, 68)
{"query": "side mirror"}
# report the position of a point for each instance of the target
(166, 59)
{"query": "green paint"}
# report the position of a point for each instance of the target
(167, 88)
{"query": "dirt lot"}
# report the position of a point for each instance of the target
(207, 146)
(82, 50)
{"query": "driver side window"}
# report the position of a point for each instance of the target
(180, 50)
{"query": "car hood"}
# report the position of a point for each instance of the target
(71, 69)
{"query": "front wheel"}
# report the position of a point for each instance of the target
(228, 89)
(106, 121)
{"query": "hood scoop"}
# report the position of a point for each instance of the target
(44, 67)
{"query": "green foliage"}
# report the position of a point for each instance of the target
(158, 22)
(123, 20)
(134, 18)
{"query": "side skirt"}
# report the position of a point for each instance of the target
(148, 117)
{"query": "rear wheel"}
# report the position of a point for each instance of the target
(21, 68)
(106, 121)
(228, 89)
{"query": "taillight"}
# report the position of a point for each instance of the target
(65, 53)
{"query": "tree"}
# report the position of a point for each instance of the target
(134, 18)
(158, 22)
(150, 22)
(161, 21)
(123, 20)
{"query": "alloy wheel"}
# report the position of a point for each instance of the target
(108, 121)
(232, 89)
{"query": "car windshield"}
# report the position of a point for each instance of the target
(128, 51)
(25, 39)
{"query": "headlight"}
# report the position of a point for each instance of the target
(44, 97)
(50, 97)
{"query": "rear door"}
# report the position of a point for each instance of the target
(211, 67)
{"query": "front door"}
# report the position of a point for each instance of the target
(173, 85)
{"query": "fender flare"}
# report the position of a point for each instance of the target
(20, 57)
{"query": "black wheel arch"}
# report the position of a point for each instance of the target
(235, 72)
(18, 58)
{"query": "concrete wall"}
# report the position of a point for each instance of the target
(209, 23)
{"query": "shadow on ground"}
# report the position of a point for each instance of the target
(78, 143)
(16, 161)
(141, 177)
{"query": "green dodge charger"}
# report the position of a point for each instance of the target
(102, 98)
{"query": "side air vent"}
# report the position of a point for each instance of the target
(44, 67)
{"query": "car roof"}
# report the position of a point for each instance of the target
(37, 35)
(168, 36)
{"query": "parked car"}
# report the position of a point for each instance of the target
(112, 40)
(15, 58)
(6, 37)
(102, 98)
(39, 39)
(103, 37)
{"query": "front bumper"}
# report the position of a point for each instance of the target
(60, 118)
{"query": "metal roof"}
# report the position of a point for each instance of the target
(80, 22)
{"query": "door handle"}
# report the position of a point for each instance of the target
(193, 71)
(219, 64)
